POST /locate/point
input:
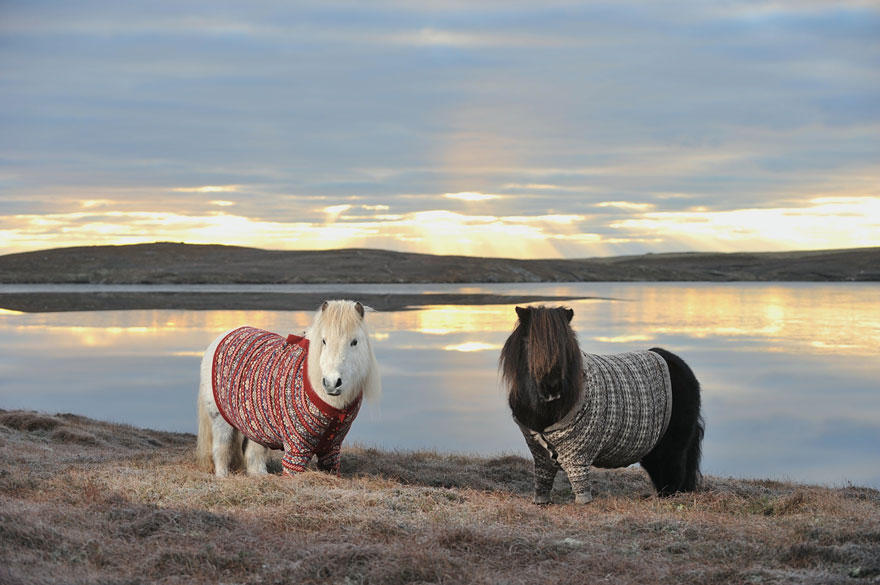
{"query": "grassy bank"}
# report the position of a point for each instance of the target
(83, 501)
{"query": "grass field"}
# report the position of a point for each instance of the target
(83, 501)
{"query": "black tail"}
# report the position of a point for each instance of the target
(674, 463)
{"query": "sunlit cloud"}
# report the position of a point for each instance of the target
(471, 196)
(545, 187)
(222, 203)
(624, 338)
(626, 205)
(435, 231)
(89, 203)
(336, 210)
(824, 222)
(208, 189)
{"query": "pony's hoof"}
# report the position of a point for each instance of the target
(542, 499)
(583, 498)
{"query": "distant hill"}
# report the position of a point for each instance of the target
(166, 263)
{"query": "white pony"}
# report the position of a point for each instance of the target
(296, 394)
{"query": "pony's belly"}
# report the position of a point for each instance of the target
(606, 463)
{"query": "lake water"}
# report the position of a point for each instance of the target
(790, 371)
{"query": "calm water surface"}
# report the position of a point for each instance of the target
(790, 372)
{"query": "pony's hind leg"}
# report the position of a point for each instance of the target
(666, 468)
(693, 455)
(226, 447)
(255, 458)
(218, 441)
(674, 463)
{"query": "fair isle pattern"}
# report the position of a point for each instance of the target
(261, 387)
(623, 412)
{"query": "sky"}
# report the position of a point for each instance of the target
(495, 128)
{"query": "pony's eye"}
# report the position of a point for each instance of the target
(324, 341)
(354, 342)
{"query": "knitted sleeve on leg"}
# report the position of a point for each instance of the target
(294, 461)
(329, 461)
(545, 467)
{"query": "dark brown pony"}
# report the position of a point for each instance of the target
(541, 364)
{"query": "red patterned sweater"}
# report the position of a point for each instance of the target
(261, 387)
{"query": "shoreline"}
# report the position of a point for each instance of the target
(47, 302)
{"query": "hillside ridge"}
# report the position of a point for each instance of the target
(179, 263)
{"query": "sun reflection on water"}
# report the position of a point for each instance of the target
(821, 318)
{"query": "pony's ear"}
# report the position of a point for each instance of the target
(324, 306)
(569, 314)
(523, 313)
(359, 308)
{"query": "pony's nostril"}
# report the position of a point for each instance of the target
(338, 382)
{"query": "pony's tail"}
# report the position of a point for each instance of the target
(204, 441)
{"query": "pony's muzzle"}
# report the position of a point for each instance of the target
(332, 388)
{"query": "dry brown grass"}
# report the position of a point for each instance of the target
(83, 501)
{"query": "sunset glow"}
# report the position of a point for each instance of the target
(573, 131)
(826, 222)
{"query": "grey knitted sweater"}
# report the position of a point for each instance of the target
(623, 411)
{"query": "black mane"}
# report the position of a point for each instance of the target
(542, 353)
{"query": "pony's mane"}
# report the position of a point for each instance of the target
(542, 343)
(342, 318)
(338, 318)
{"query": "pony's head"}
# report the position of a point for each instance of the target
(341, 361)
(541, 365)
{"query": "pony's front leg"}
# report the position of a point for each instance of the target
(545, 468)
(294, 460)
(543, 485)
(329, 461)
(579, 477)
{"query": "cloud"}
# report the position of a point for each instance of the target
(433, 231)
(208, 189)
(627, 205)
(471, 196)
(607, 112)
(825, 222)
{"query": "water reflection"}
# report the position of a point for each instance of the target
(789, 371)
